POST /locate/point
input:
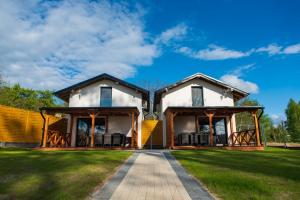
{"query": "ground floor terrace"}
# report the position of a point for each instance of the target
(88, 127)
(204, 127)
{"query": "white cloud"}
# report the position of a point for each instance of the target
(271, 49)
(238, 71)
(213, 52)
(175, 33)
(52, 45)
(277, 119)
(292, 49)
(239, 83)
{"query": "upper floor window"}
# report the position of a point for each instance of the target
(197, 96)
(105, 97)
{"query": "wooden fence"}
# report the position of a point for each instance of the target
(152, 133)
(24, 126)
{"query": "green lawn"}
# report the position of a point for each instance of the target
(270, 174)
(32, 174)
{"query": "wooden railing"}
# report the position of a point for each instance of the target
(243, 138)
(58, 139)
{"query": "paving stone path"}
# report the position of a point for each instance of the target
(151, 175)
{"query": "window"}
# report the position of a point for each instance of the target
(105, 97)
(197, 96)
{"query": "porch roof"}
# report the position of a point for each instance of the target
(218, 110)
(91, 110)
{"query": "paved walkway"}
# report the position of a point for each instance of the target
(151, 175)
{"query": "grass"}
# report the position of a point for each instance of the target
(270, 174)
(32, 174)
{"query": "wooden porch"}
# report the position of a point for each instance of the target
(57, 139)
(242, 139)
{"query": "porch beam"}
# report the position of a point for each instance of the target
(93, 130)
(46, 130)
(257, 132)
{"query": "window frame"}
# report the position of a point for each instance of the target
(105, 87)
(202, 96)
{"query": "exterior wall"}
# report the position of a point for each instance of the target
(182, 96)
(121, 96)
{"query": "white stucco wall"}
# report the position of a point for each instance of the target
(121, 96)
(182, 96)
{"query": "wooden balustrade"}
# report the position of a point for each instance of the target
(58, 139)
(244, 138)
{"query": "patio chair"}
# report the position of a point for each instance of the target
(107, 140)
(204, 138)
(116, 139)
(98, 140)
(185, 138)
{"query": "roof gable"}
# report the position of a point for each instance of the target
(237, 93)
(64, 94)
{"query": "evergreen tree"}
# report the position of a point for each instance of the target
(293, 120)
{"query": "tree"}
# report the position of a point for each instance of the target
(293, 120)
(19, 97)
(245, 120)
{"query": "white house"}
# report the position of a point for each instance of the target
(200, 111)
(103, 111)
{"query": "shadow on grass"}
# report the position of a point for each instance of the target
(29, 174)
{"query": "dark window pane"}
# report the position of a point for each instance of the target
(106, 97)
(99, 126)
(220, 126)
(197, 96)
(203, 125)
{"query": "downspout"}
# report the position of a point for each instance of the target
(44, 119)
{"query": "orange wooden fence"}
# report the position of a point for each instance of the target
(24, 126)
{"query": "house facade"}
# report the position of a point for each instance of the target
(103, 111)
(198, 111)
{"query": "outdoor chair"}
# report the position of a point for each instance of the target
(116, 139)
(185, 138)
(106, 140)
(98, 139)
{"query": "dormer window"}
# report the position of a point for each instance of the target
(105, 97)
(197, 96)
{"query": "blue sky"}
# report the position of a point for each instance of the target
(253, 45)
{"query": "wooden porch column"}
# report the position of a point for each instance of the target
(132, 131)
(93, 130)
(257, 131)
(71, 129)
(197, 123)
(211, 130)
(231, 130)
(136, 129)
(170, 129)
(45, 131)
